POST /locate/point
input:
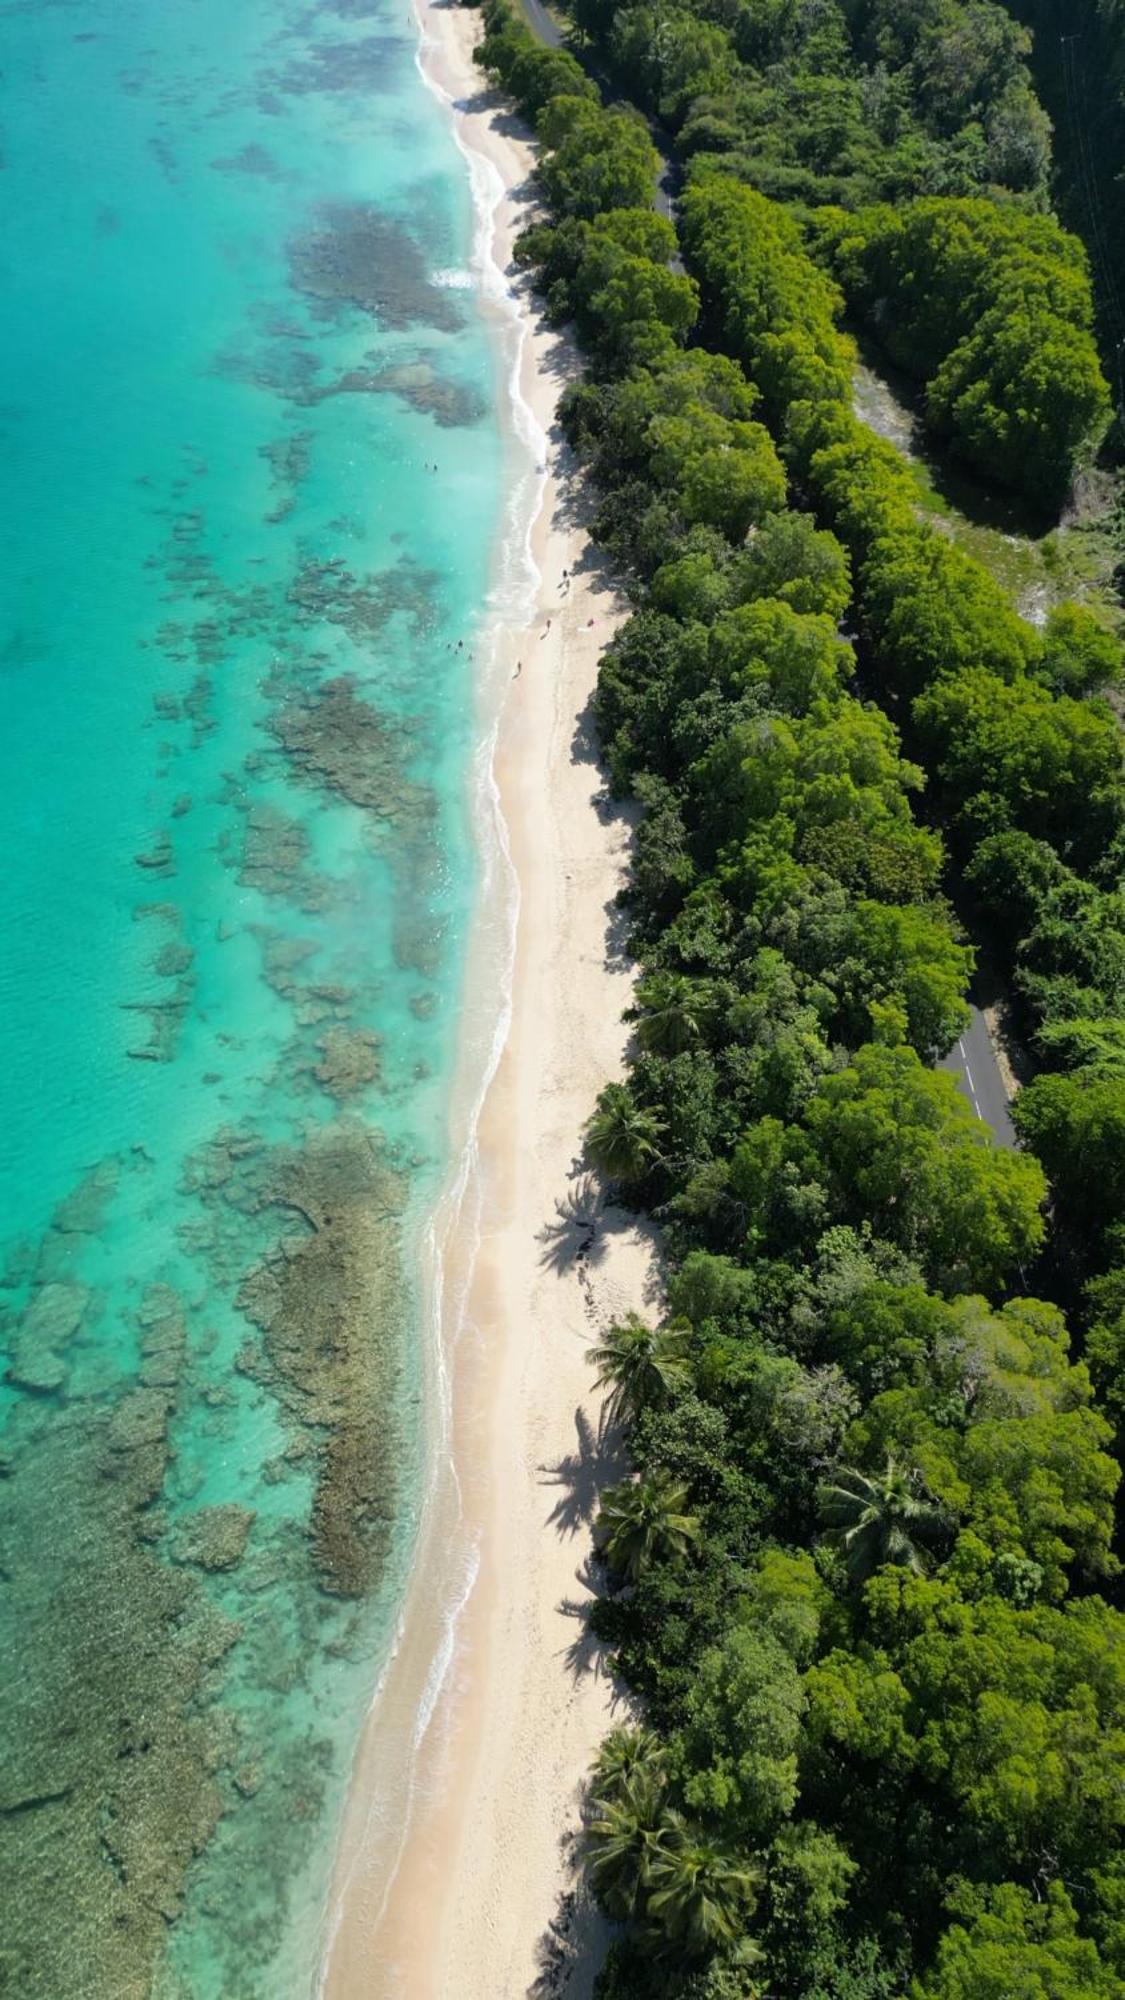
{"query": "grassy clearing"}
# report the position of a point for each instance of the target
(1038, 565)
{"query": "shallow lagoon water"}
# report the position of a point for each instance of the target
(236, 728)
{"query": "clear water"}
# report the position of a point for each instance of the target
(251, 480)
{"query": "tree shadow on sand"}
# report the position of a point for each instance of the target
(572, 1949)
(578, 1477)
(575, 1236)
(597, 1461)
(586, 1655)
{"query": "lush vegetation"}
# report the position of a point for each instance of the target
(992, 309)
(865, 1576)
(1078, 61)
(850, 108)
(848, 101)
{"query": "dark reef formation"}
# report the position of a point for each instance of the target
(327, 1298)
(360, 257)
(114, 1742)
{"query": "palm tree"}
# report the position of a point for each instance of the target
(641, 1366)
(622, 1139)
(622, 1840)
(670, 1013)
(645, 1518)
(626, 1754)
(700, 1894)
(877, 1520)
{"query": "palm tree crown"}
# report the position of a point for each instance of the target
(690, 1894)
(625, 1754)
(641, 1366)
(645, 1518)
(700, 1894)
(622, 1139)
(670, 1013)
(879, 1519)
(622, 1839)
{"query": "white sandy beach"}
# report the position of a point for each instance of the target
(457, 1850)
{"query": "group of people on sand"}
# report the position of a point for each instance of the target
(564, 591)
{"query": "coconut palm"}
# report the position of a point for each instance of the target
(642, 1366)
(622, 1839)
(645, 1518)
(670, 1013)
(699, 1893)
(876, 1520)
(626, 1754)
(622, 1139)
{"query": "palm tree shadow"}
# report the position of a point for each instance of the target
(598, 1460)
(586, 1654)
(572, 1949)
(575, 1236)
(579, 1475)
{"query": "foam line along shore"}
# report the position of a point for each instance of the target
(251, 484)
(451, 1897)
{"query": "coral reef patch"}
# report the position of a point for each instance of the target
(359, 256)
(110, 1781)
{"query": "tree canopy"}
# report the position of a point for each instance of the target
(863, 1574)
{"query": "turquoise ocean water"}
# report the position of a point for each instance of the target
(252, 479)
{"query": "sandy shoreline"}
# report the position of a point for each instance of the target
(456, 1851)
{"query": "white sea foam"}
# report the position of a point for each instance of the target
(512, 600)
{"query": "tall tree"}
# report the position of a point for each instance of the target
(643, 1519)
(642, 1366)
(622, 1138)
(701, 1893)
(877, 1520)
(622, 1841)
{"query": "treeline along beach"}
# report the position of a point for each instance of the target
(863, 1578)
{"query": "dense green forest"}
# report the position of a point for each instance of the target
(865, 1578)
(1078, 61)
(846, 101)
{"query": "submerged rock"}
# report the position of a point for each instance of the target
(360, 256)
(159, 859)
(109, 1786)
(336, 740)
(173, 959)
(50, 1322)
(328, 1301)
(452, 404)
(349, 1061)
(275, 849)
(82, 1211)
(363, 606)
(215, 1537)
(288, 458)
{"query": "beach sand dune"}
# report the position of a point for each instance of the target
(456, 1872)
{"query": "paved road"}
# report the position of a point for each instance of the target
(541, 24)
(664, 200)
(973, 1062)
